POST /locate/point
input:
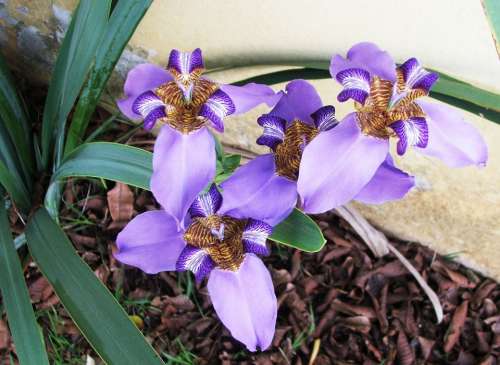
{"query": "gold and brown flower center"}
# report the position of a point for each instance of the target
(379, 111)
(288, 153)
(183, 107)
(220, 237)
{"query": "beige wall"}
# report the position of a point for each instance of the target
(448, 35)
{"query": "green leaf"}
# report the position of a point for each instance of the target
(27, 336)
(14, 117)
(231, 162)
(73, 62)
(15, 188)
(133, 166)
(10, 175)
(112, 161)
(447, 89)
(92, 307)
(450, 86)
(299, 231)
(226, 166)
(492, 10)
(52, 199)
(277, 77)
(122, 23)
(467, 96)
(219, 150)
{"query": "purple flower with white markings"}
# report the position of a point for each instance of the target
(388, 104)
(271, 185)
(185, 103)
(214, 245)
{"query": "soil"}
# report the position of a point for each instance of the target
(339, 306)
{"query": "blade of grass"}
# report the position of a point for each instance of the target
(30, 348)
(92, 307)
(124, 19)
(73, 62)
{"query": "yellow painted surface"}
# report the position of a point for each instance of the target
(452, 36)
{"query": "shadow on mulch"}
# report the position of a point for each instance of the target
(339, 306)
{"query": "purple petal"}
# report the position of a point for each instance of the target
(274, 130)
(195, 260)
(150, 107)
(324, 118)
(255, 236)
(451, 139)
(337, 164)
(255, 191)
(146, 103)
(389, 183)
(356, 83)
(140, 79)
(245, 302)
(216, 108)
(183, 165)
(250, 95)
(367, 56)
(416, 77)
(151, 118)
(185, 62)
(411, 132)
(151, 242)
(299, 101)
(207, 203)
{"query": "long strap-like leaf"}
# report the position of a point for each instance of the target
(133, 166)
(447, 89)
(92, 307)
(11, 176)
(27, 336)
(122, 23)
(73, 62)
(14, 117)
(111, 161)
(15, 188)
(492, 11)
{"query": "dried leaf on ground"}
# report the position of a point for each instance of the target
(121, 203)
(456, 326)
(4, 335)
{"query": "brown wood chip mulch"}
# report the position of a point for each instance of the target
(339, 306)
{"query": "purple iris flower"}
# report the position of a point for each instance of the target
(184, 103)
(271, 185)
(215, 245)
(388, 104)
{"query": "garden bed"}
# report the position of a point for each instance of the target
(341, 306)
